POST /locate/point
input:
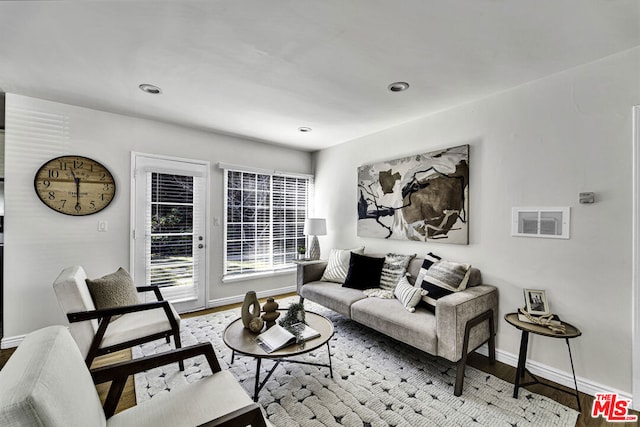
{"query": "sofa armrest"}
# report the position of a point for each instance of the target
(309, 271)
(455, 310)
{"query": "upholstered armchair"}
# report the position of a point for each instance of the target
(46, 383)
(103, 331)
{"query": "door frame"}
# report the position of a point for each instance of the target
(635, 262)
(207, 213)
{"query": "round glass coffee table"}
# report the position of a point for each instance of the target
(242, 341)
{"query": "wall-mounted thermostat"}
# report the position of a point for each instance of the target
(587, 197)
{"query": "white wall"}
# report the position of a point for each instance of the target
(39, 242)
(537, 145)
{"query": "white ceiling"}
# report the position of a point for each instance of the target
(263, 68)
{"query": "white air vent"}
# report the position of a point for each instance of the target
(541, 222)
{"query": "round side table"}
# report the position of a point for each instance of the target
(526, 328)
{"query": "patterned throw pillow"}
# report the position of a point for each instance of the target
(409, 296)
(394, 269)
(338, 264)
(429, 259)
(442, 278)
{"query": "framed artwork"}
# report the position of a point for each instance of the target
(536, 302)
(424, 197)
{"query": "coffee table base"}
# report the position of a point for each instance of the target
(260, 385)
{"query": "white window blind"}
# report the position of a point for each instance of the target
(265, 214)
(172, 233)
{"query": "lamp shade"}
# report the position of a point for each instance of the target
(315, 227)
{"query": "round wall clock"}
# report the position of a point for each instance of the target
(75, 185)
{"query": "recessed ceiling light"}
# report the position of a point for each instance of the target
(398, 86)
(147, 88)
(305, 129)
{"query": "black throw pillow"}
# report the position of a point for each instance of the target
(364, 272)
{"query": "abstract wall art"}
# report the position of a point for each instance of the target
(424, 197)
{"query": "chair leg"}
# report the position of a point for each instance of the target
(176, 338)
(492, 342)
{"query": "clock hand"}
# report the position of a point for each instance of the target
(77, 181)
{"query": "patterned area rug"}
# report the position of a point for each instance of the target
(377, 382)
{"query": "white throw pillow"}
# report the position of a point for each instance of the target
(409, 296)
(338, 264)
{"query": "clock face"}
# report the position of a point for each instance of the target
(75, 185)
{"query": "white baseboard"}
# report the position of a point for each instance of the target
(552, 374)
(239, 298)
(10, 342)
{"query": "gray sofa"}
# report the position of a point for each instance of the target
(462, 322)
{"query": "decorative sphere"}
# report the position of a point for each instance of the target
(256, 324)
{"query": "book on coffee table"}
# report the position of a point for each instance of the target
(277, 337)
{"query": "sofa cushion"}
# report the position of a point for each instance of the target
(364, 272)
(113, 290)
(332, 295)
(409, 296)
(46, 383)
(202, 401)
(136, 325)
(387, 316)
(338, 264)
(394, 269)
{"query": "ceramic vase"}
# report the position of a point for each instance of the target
(270, 314)
(250, 308)
(256, 324)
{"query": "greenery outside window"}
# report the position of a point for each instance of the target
(265, 214)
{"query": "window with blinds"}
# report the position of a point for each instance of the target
(265, 214)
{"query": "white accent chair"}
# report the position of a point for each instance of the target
(46, 383)
(97, 333)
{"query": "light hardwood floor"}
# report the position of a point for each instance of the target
(478, 361)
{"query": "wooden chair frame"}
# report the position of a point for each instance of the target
(119, 372)
(104, 317)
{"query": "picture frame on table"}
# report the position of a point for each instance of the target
(536, 302)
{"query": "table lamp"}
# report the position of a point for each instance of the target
(315, 227)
